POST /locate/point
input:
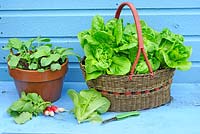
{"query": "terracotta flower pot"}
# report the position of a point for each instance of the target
(48, 84)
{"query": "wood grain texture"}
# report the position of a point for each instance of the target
(67, 24)
(181, 116)
(95, 4)
(62, 20)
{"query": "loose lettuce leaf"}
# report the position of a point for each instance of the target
(88, 105)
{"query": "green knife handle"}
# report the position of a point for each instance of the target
(127, 114)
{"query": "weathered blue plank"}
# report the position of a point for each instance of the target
(95, 4)
(30, 25)
(62, 21)
(181, 116)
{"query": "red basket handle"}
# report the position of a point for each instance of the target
(140, 39)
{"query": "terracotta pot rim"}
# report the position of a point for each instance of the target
(23, 70)
(35, 76)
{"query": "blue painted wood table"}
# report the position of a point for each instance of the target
(61, 21)
(181, 116)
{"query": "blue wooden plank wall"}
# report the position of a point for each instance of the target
(61, 20)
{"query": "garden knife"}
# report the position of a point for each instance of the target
(122, 116)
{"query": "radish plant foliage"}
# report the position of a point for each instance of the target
(26, 107)
(36, 54)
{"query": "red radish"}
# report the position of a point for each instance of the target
(46, 113)
(48, 108)
(54, 109)
(60, 109)
(51, 113)
(51, 110)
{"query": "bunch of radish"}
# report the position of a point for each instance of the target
(51, 110)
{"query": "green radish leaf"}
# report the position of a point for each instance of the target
(13, 61)
(28, 43)
(55, 66)
(46, 61)
(23, 118)
(14, 43)
(41, 70)
(27, 106)
(36, 54)
(17, 106)
(35, 98)
(44, 39)
(49, 45)
(55, 57)
(41, 51)
(33, 66)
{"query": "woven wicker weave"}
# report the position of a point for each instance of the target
(134, 91)
(142, 92)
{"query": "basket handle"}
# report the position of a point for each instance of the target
(140, 39)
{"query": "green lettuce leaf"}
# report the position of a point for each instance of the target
(111, 48)
(142, 67)
(94, 75)
(119, 66)
(174, 53)
(88, 105)
(97, 24)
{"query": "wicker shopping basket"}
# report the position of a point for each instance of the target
(134, 91)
